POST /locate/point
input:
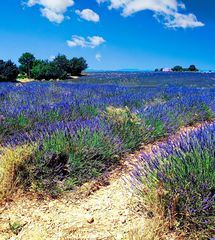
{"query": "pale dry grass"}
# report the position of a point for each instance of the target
(10, 158)
(25, 80)
(155, 228)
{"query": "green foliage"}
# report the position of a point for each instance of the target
(22, 121)
(8, 71)
(26, 61)
(62, 62)
(61, 162)
(47, 70)
(58, 143)
(93, 145)
(208, 113)
(87, 111)
(77, 65)
(177, 69)
(90, 155)
(15, 227)
(182, 186)
(128, 125)
(157, 128)
(84, 111)
(192, 68)
(190, 175)
(52, 116)
(19, 122)
(59, 68)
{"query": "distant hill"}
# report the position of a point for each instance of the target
(118, 70)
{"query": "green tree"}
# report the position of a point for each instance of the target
(59, 68)
(47, 70)
(177, 69)
(8, 71)
(26, 61)
(77, 65)
(193, 68)
(62, 62)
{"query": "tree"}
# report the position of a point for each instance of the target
(8, 71)
(47, 70)
(177, 69)
(193, 68)
(62, 62)
(77, 65)
(26, 61)
(59, 68)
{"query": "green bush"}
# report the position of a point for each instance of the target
(62, 162)
(47, 70)
(74, 66)
(129, 126)
(59, 68)
(62, 62)
(177, 180)
(8, 71)
(77, 65)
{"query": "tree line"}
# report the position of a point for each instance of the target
(59, 68)
(178, 68)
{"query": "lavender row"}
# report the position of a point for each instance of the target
(181, 175)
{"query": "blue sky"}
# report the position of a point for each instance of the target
(111, 34)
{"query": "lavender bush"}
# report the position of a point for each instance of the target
(72, 123)
(180, 174)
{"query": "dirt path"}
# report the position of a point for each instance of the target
(101, 214)
(104, 214)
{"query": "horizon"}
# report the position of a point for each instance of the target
(112, 35)
(142, 70)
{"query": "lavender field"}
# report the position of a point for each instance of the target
(151, 79)
(55, 136)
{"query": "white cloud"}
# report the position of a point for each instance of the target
(88, 14)
(170, 12)
(100, 1)
(89, 42)
(54, 10)
(52, 16)
(96, 41)
(98, 57)
(168, 9)
(77, 41)
(183, 21)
